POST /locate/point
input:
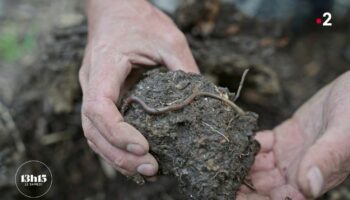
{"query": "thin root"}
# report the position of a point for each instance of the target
(241, 84)
(212, 128)
(250, 186)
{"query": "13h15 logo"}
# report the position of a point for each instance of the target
(33, 179)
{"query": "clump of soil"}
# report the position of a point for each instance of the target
(207, 144)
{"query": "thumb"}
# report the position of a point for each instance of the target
(182, 61)
(325, 164)
(180, 58)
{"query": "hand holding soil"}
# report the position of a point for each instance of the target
(308, 154)
(121, 34)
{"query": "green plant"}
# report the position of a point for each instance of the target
(13, 46)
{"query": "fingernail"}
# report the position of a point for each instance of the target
(315, 180)
(146, 169)
(135, 149)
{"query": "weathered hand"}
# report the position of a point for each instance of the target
(309, 153)
(121, 34)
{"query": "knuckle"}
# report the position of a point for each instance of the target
(91, 107)
(337, 157)
(86, 130)
(87, 134)
(120, 161)
(95, 105)
(86, 108)
(91, 145)
(82, 75)
(176, 38)
(101, 46)
(94, 148)
(114, 137)
(125, 172)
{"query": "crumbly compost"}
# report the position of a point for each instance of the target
(205, 142)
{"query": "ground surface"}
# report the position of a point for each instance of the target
(40, 97)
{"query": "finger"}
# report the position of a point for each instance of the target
(105, 116)
(118, 158)
(257, 197)
(265, 181)
(128, 164)
(99, 104)
(96, 150)
(179, 55)
(286, 192)
(266, 140)
(244, 189)
(92, 134)
(263, 162)
(242, 196)
(140, 58)
(325, 164)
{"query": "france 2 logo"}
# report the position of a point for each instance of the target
(325, 20)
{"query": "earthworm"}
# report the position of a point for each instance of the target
(158, 111)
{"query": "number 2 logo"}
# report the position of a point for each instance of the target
(328, 17)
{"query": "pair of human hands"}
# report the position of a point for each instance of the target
(303, 157)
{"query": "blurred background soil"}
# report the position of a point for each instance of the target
(42, 43)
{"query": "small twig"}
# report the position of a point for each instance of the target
(217, 173)
(241, 84)
(55, 137)
(157, 111)
(212, 128)
(229, 123)
(250, 186)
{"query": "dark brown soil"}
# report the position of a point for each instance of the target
(207, 145)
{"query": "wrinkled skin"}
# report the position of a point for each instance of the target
(123, 34)
(309, 153)
(302, 158)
